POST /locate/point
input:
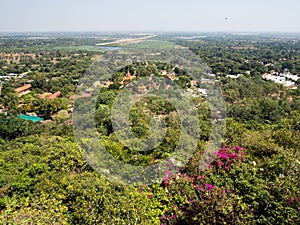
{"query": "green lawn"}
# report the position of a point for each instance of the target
(78, 48)
(153, 44)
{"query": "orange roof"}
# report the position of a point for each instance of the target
(45, 95)
(108, 83)
(128, 76)
(55, 95)
(23, 88)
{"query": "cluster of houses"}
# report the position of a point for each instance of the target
(286, 78)
(88, 92)
(9, 76)
(170, 74)
(27, 89)
(143, 89)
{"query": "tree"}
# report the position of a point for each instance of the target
(11, 101)
(46, 108)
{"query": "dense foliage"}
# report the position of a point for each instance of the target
(253, 179)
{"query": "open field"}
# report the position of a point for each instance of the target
(78, 48)
(153, 44)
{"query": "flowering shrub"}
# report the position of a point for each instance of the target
(232, 190)
(192, 194)
(225, 157)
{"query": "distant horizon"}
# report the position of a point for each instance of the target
(146, 32)
(269, 16)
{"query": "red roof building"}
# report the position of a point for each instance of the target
(45, 95)
(23, 88)
(55, 95)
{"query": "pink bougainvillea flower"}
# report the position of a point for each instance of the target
(168, 172)
(209, 186)
(165, 182)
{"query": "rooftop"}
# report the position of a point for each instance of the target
(23, 88)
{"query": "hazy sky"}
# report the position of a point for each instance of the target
(154, 15)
